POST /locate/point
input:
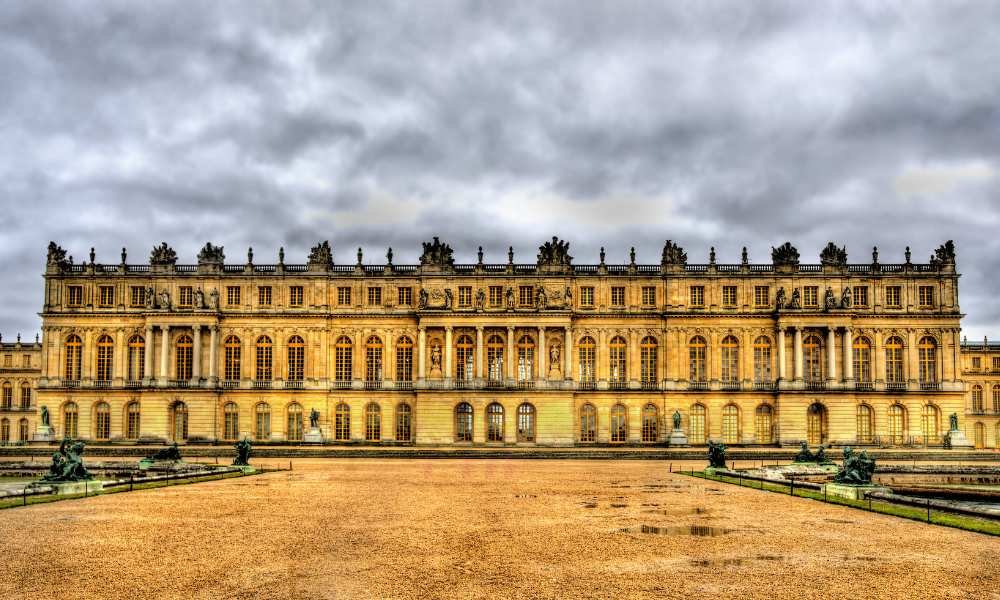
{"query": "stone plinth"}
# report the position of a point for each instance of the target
(959, 441)
(677, 438)
(70, 488)
(852, 492)
(44, 435)
(313, 436)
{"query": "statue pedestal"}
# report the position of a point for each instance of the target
(71, 488)
(677, 438)
(959, 441)
(44, 434)
(313, 436)
(852, 492)
(555, 374)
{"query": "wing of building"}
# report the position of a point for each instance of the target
(546, 353)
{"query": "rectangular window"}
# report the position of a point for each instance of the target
(496, 296)
(343, 296)
(729, 296)
(587, 296)
(107, 296)
(618, 297)
(26, 361)
(697, 295)
(264, 295)
(926, 296)
(8, 360)
(374, 296)
(761, 296)
(464, 296)
(996, 363)
(404, 296)
(186, 297)
(233, 295)
(295, 295)
(648, 295)
(138, 296)
(526, 295)
(861, 296)
(976, 364)
(75, 295)
(810, 296)
(893, 297)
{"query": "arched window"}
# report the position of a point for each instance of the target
(132, 420)
(105, 358)
(342, 422)
(897, 424)
(404, 360)
(930, 419)
(697, 359)
(647, 362)
(816, 424)
(979, 437)
(464, 358)
(344, 358)
(294, 431)
(526, 423)
(494, 422)
(762, 360)
(71, 420)
(25, 395)
(696, 424)
(4, 430)
(179, 421)
(8, 396)
(463, 422)
(102, 421)
(619, 423)
(730, 424)
(588, 423)
(927, 351)
(588, 351)
(812, 356)
(296, 358)
(74, 348)
(730, 359)
(894, 360)
(373, 359)
(184, 357)
(862, 359)
(404, 422)
(262, 421)
(265, 360)
(136, 358)
(22, 430)
(617, 366)
(764, 424)
(977, 398)
(650, 423)
(865, 425)
(231, 421)
(373, 422)
(233, 358)
(996, 398)
(525, 359)
(494, 358)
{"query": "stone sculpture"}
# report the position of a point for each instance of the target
(796, 301)
(437, 254)
(785, 255)
(56, 256)
(162, 255)
(541, 300)
(832, 256)
(779, 298)
(211, 255)
(510, 298)
(857, 468)
(449, 299)
(480, 299)
(67, 464)
(830, 301)
(164, 301)
(945, 254)
(321, 255)
(845, 298)
(953, 422)
(554, 254)
(423, 299)
(213, 299)
(243, 449)
(150, 297)
(673, 255)
(716, 455)
(677, 419)
(199, 298)
(45, 416)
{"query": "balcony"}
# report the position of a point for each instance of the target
(102, 383)
(895, 386)
(373, 384)
(229, 384)
(930, 386)
(764, 386)
(864, 386)
(494, 384)
(649, 385)
(133, 383)
(262, 384)
(342, 385)
(296, 384)
(730, 386)
(460, 384)
(698, 386)
(404, 385)
(617, 385)
(180, 383)
(588, 385)
(71, 383)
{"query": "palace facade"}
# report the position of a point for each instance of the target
(20, 369)
(981, 371)
(547, 353)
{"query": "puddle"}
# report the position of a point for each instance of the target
(695, 530)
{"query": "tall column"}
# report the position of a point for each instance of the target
(196, 362)
(798, 353)
(164, 352)
(848, 355)
(389, 357)
(541, 353)
(421, 354)
(479, 352)
(568, 353)
(510, 353)
(147, 354)
(447, 353)
(831, 354)
(782, 374)
(213, 343)
(912, 365)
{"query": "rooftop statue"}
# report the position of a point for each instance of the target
(945, 254)
(673, 254)
(554, 254)
(67, 464)
(437, 254)
(56, 256)
(321, 255)
(212, 255)
(832, 256)
(162, 255)
(716, 455)
(857, 468)
(785, 255)
(243, 449)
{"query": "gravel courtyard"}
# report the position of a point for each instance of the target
(370, 528)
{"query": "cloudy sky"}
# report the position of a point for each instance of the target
(494, 123)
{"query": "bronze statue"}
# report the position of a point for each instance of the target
(857, 468)
(953, 422)
(716, 455)
(67, 464)
(314, 419)
(45, 416)
(804, 455)
(242, 453)
(677, 420)
(170, 453)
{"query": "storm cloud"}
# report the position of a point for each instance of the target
(612, 124)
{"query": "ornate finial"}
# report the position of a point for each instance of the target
(388, 256)
(124, 255)
(631, 255)
(92, 255)
(479, 255)
(281, 255)
(907, 255)
(18, 337)
(744, 258)
(36, 338)
(360, 255)
(510, 255)
(711, 255)
(1, 337)
(602, 255)
(250, 255)
(874, 255)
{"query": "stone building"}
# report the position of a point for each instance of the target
(541, 353)
(981, 371)
(20, 369)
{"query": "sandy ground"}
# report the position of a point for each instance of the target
(374, 528)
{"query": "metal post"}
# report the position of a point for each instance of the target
(928, 510)
(791, 487)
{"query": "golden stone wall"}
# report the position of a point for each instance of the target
(20, 369)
